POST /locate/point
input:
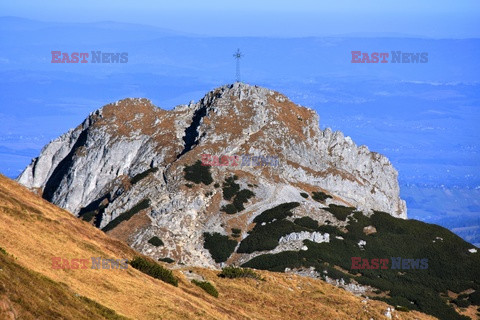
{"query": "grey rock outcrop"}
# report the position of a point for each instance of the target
(317, 237)
(129, 156)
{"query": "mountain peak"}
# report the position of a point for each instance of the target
(124, 169)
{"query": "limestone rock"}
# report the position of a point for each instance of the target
(127, 160)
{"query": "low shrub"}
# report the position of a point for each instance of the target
(320, 196)
(462, 296)
(142, 175)
(229, 209)
(104, 312)
(3, 251)
(307, 222)
(276, 262)
(219, 246)
(266, 237)
(144, 204)
(167, 260)
(279, 212)
(475, 298)
(88, 216)
(230, 188)
(402, 309)
(242, 197)
(462, 303)
(233, 272)
(340, 212)
(155, 241)
(334, 273)
(95, 209)
(198, 173)
(394, 238)
(333, 231)
(207, 286)
(303, 194)
(154, 270)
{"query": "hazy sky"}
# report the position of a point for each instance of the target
(433, 18)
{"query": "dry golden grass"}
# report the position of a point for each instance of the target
(34, 231)
(25, 294)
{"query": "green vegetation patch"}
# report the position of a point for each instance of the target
(450, 265)
(95, 209)
(231, 190)
(207, 286)
(219, 246)
(279, 212)
(88, 216)
(303, 194)
(144, 204)
(307, 222)
(320, 196)
(166, 259)
(236, 232)
(241, 198)
(155, 241)
(229, 209)
(233, 272)
(402, 309)
(462, 303)
(154, 270)
(266, 237)
(277, 262)
(142, 175)
(101, 310)
(340, 212)
(198, 173)
(475, 298)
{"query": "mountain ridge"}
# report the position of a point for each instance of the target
(94, 162)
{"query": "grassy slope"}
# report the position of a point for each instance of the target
(30, 295)
(33, 231)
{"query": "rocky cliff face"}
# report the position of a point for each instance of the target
(123, 169)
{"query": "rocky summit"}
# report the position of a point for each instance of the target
(135, 171)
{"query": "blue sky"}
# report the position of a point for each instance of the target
(439, 19)
(423, 117)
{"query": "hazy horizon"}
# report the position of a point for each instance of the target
(423, 117)
(304, 18)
